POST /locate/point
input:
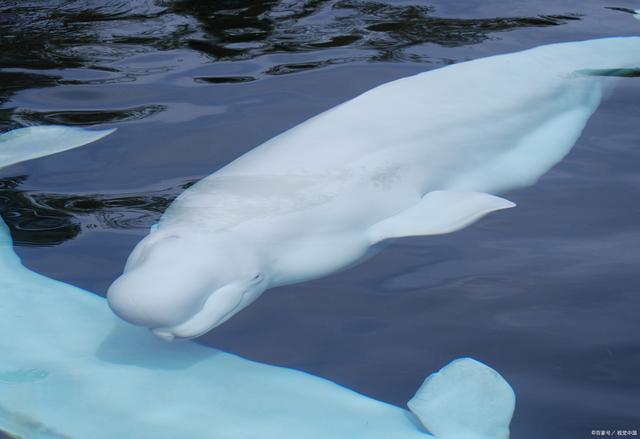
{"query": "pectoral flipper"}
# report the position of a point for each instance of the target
(465, 400)
(438, 212)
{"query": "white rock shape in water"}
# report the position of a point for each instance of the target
(69, 369)
(29, 143)
(417, 156)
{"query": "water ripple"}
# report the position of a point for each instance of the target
(61, 217)
(46, 43)
(66, 34)
(87, 117)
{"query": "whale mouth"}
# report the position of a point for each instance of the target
(217, 309)
(194, 327)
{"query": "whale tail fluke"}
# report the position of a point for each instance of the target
(32, 142)
(611, 56)
(465, 400)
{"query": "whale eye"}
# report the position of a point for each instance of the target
(257, 277)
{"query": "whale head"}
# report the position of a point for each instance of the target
(181, 285)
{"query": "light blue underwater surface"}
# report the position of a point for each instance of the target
(547, 293)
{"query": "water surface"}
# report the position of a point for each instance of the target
(548, 293)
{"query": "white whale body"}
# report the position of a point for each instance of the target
(69, 369)
(32, 142)
(418, 156)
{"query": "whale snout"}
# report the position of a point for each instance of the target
(124, 307)
(179, 313)
(143, 305)
(180, 288)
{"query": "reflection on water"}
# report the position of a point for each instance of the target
(94, 33)
(40, 218)
(246, 29)
(98, 35)
(44, 226)
(85, 117)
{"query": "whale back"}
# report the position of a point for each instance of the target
(488, 125)
(414, 110)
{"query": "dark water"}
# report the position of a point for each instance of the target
(548, 293)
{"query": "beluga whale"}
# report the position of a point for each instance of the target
(67, 354)
(33, 142)
(421, 155)
(65, 345)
